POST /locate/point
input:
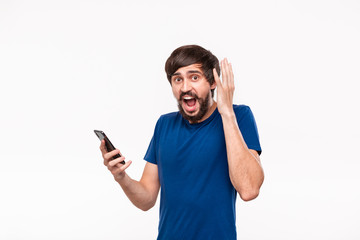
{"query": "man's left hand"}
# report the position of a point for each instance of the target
(225, 88)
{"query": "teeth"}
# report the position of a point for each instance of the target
(188, 98)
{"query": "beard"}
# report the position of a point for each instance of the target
(204, 107)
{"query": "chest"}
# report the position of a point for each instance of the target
(184, 151)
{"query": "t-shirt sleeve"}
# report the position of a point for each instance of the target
(248, 128)
(150, 155)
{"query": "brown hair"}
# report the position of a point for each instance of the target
(193, 54)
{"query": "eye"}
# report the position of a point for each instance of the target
(195, 77)
(177, 79)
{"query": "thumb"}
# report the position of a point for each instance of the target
(216, 78)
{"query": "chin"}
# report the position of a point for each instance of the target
(191, 114)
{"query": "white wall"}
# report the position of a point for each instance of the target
(68, 67)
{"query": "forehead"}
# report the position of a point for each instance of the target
(188, 69)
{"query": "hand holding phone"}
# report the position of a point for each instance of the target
(109, 146)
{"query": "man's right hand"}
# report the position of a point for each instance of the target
(115, 167)
(143, 193)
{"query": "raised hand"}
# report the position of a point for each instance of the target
(225, 88)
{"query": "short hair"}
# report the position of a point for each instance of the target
(193, 54)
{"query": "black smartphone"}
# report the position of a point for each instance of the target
(109, 146)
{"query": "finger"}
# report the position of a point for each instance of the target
(228, 70)
(116, 161)
(122, 168)
(224, 72)
(216, 78)
(230, 77)
(231, 73)
(109, 155)
(102, 147)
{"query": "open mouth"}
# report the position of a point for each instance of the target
(189, 104)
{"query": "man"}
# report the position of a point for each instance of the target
(201, 156)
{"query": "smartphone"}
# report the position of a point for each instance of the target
(109, 146)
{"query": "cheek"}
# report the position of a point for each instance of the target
(204, 90)
(175, 92)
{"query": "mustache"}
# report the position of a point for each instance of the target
(188, 93)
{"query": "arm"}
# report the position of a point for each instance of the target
(245, 171)
(143, 193)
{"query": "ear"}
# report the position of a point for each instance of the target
(213, 86)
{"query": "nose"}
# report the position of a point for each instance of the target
(186, 86)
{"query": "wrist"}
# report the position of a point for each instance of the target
(120, 178)
(228, 115)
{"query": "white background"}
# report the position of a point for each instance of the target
(68, 67)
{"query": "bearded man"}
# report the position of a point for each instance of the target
(201, 156)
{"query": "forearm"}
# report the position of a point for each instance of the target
(137, 192)
(245, 171)
(141, 193)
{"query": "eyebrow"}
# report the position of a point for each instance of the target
(188, 72)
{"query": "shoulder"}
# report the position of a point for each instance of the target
(170, 115)
(241, 107)
(167, 122)
(167, 118)
(241, 110)
(243, 113)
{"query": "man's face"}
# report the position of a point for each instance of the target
(192, 91)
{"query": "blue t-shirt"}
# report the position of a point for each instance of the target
(197, 199)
